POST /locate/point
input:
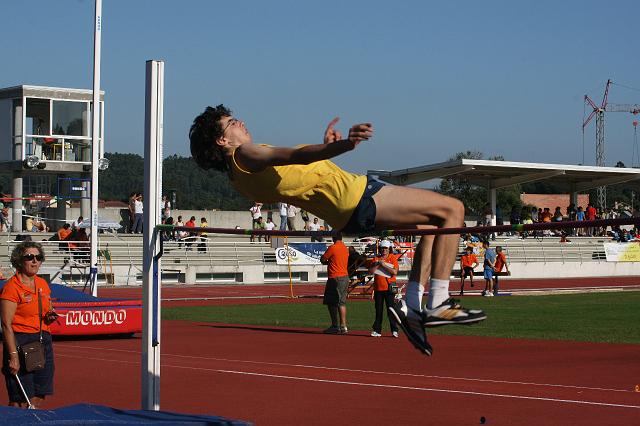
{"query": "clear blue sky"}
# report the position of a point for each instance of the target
(501, 77)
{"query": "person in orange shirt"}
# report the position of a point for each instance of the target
(501, 262)
(546, 215)
(384, 269)
(468, 261)
(25, 303)
(336, 257)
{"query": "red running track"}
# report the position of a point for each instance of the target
(275, 376)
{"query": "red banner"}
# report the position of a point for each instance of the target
(85, 319)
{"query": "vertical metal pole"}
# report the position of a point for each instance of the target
(154, 94)
(95, 137)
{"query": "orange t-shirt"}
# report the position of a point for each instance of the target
(546, 217)
(337, 257)
(64, 233)
(468, 260)
(381, 283)
(26, 318)
(501, 260)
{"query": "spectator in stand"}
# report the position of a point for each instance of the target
(202, 246)
(533, 214)
(305, 219)
(557, 215)
(29, 225)
(489, 267)
(169, 235)
(384, 268)
(546, 215)
(284, 208)
(269, 226)
(256, 212)
(62, 234)
(181, 234)
(571, 216)
(525, 217)
(501, 262)
(79, 245)
(590, 214)
(336, 257)
(468, 261)
(191, 223)
(292, 211)
(313, 227)
(132, 210)
(580, 216)
(259, 225)
(539, 217)
(6, 223)
(76, 223)
(138, 217)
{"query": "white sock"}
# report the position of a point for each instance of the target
(438, 292)
(413, 296)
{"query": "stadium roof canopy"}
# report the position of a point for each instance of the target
(499, 174)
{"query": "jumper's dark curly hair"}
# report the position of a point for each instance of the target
(20, 249)
(204, 133)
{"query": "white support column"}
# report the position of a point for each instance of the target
(95, 134)
(18, 154)
(493, 201)
(151, 273)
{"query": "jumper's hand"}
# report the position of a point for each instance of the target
(331, 134)
(360, 132)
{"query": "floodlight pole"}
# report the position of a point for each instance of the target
(95, 148)
(151, 269)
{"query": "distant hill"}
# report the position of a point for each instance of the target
(195, 188)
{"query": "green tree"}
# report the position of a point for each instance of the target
(475, 197)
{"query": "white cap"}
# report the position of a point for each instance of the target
(385, 243)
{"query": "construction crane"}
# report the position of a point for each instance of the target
(598, 112)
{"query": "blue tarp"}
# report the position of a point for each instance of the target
(88, 414)
(61, 293)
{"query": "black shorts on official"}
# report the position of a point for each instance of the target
(467, 271)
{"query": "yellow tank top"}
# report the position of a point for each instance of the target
(321, 188)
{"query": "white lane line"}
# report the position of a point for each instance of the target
(354, 370)
(377, 385)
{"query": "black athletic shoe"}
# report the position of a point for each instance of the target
(451, 312)
(411, 323)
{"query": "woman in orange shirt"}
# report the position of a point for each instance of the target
(385, 269)
(25, 302)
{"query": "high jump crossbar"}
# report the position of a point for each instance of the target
(430, 231)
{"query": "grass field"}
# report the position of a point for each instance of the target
(593, 317)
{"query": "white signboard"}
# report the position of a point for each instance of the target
(622, 252)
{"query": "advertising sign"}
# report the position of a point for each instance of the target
(622, 252)
(300, 254)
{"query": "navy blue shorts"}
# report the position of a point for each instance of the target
(363, 218)
(39, 383)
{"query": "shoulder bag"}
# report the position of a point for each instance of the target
(32, 354)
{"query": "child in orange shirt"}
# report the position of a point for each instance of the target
(468, 261)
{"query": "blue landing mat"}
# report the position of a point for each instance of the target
(88, 414)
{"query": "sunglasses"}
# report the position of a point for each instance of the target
(231, 122)
(31, 257)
